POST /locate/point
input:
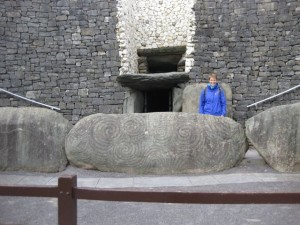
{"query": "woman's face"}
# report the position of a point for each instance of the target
(212, 81)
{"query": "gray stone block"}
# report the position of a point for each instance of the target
(275, 135)
(156, 143)
(32, 139)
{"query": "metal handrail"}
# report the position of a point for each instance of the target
(274, 96)
(30, 100)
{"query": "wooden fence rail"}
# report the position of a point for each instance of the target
(67, 193)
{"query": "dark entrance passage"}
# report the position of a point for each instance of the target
(162, 60)
(158, 101)
(163, 63)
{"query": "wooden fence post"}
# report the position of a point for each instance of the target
(67, 203)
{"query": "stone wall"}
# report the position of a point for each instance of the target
(163, 23)
(68, 53)
(126, 31)
(253, 45)
(152, 24)
(63, 53)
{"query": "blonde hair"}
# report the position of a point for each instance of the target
(212, 75)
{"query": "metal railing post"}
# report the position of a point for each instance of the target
(67, 203)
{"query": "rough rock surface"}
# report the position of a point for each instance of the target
(191, 94)
(153, 81)
(275, 133)
(156, 143)
(32, 139)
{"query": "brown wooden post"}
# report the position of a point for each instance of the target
(67, 203)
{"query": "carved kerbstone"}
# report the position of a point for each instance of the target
(156, 143)
(32, 139)
(275, 133)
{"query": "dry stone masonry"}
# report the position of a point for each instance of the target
(69, 53)
(77, 55)
(64, 53)
(151, 25)
(253, 46)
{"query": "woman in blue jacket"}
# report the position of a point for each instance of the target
(212, 98)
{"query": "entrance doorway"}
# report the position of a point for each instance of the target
(158, 101)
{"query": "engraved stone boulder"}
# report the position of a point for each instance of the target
(156, 143)
(275, 133)
(32, 139)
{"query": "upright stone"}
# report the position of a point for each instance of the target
(32, 139)
(275, 133)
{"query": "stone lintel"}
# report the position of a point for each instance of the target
(152, 81)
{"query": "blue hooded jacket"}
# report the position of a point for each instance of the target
(212, 101)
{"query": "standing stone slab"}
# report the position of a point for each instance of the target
(32, 139)
(156, 143)
(275, 133)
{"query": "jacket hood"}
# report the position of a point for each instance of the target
(214, 87)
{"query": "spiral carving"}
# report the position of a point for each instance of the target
(105, 132)
(134, 128)
(162, 133)
(126, 154)
(155, 143)
(187, 137)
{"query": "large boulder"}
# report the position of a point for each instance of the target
(275, 133)
(156, 143)
(191, 95)
(32, 139)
